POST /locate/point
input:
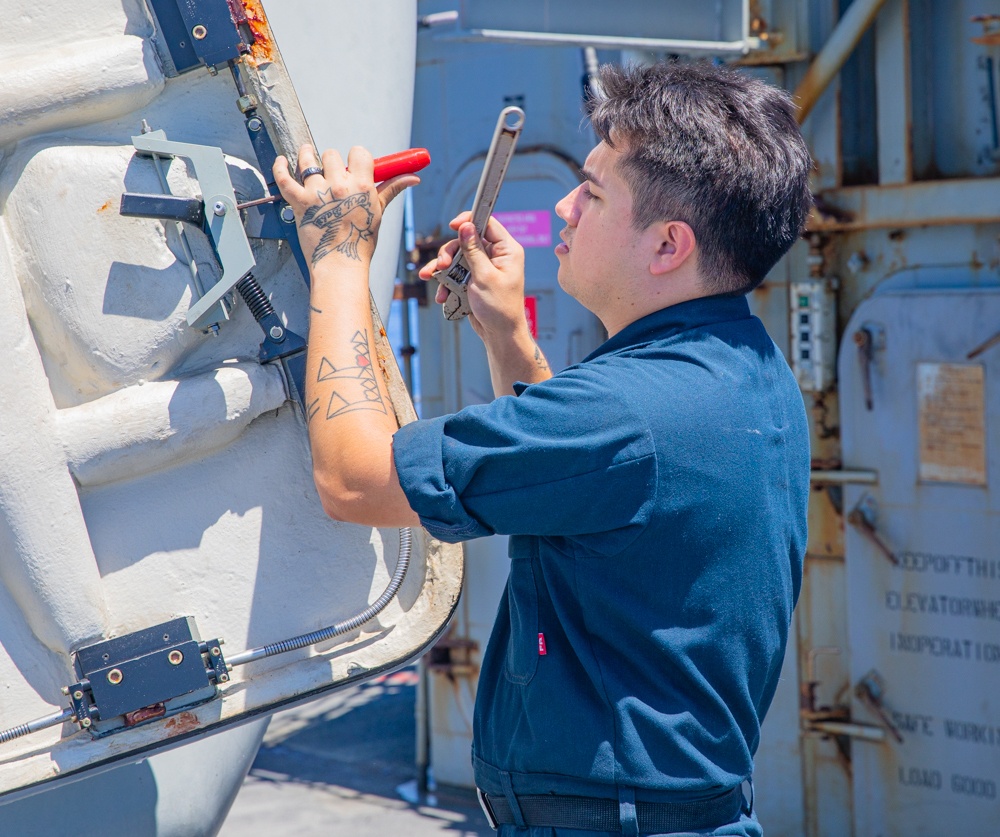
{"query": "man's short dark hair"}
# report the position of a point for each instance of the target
(716, 149)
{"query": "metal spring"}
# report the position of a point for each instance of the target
(254, 296)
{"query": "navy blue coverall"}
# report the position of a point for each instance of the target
(655, 495)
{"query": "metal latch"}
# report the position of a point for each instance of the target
(218, 215)
(869, 339)
(863, 517)
(136, 675)
(870, 691)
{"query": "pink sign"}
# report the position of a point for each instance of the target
(530, 227)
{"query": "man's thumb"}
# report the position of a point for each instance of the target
(471, 245)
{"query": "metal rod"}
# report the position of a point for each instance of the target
(605, 41)
(36, 725)
(842, 477)
(835, 52)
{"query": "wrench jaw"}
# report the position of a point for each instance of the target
(456, 280)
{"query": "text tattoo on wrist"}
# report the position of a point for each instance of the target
(345, 223)
(352, 387)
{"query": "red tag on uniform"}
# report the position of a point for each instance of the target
(541, 645)
(531, 315)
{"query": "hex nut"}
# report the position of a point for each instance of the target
(85, 723)
(78, 695)
(216, 651)
(199, 32)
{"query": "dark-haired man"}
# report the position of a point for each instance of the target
(655, 493)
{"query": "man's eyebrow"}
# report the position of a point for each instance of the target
(587, 174)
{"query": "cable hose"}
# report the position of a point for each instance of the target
(10, 734)
(294, 643)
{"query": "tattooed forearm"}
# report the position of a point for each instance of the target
(346, 388)
(344, 221)
(540, 361)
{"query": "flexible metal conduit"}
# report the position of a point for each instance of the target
(301, 641)
(838, 48)
(402, 563)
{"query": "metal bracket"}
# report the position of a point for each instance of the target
(222, 218)
(144, 670)
(206, 33)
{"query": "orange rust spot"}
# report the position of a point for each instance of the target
(105, 206)
(184, 722)
(157, 710)
(263, 49)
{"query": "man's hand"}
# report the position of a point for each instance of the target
(496, 297)
(338, 210)
(496, 286)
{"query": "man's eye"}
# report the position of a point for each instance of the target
(585, 191)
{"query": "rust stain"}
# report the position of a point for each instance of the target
(105, 206)
(179, 724)
(157, 710)
(263, 50)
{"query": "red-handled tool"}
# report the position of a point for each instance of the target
(402, 162)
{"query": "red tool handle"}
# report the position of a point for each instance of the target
(402, 162)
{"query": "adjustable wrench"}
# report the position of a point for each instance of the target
(456, 277)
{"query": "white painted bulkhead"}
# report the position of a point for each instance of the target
(149, 470)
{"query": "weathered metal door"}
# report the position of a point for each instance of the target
(923, 574)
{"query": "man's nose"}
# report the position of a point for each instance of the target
(566, 208)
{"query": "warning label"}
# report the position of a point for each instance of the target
(952, 423)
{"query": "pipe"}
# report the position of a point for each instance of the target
(838, 48)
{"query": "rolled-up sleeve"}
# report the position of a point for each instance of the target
(564, 458)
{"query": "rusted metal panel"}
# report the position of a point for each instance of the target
(924, 656)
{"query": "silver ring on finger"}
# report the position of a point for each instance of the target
(309, 172)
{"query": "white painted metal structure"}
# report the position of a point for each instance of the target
(151, 471)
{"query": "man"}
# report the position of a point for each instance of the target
(655, 493)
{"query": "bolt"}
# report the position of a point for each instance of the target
(65, 690)
(175, 657)
(222, 642)
(224, 678)
(276, 332)
(216, 651)
(115, 676)
(77, 695)
(219, 208)
(85, 723)
(287, 214)
(211, 331)
(199, 32)
(255, 124)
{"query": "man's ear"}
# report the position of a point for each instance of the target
(672, 243)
